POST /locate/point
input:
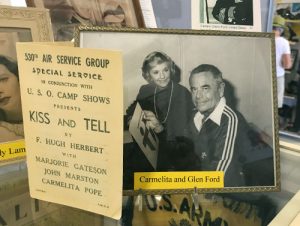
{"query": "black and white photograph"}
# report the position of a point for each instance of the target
(197, 101)
(16, 25)
(238, 12)
(227, 14)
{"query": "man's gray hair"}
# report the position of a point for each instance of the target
(217, 74)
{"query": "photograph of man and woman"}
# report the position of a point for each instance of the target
(208, 100)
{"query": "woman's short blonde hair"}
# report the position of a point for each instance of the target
(158, 57)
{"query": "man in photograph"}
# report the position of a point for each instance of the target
(236, 12)
(218, 132)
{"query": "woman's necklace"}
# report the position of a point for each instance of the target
(169, 106)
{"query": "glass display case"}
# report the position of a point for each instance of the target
(253, 209)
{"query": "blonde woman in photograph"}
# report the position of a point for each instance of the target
(167, 106)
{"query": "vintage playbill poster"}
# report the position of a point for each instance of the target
(73, 124)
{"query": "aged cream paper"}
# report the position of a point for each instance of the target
(72, 109)
(296, 221)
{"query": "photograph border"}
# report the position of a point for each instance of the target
(268, 36)
(38, 22)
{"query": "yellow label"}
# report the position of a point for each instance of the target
(178, 180)
(11, 150)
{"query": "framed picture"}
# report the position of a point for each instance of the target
(67, 14)
(196, 101)
(241, 15)
(16, 25)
